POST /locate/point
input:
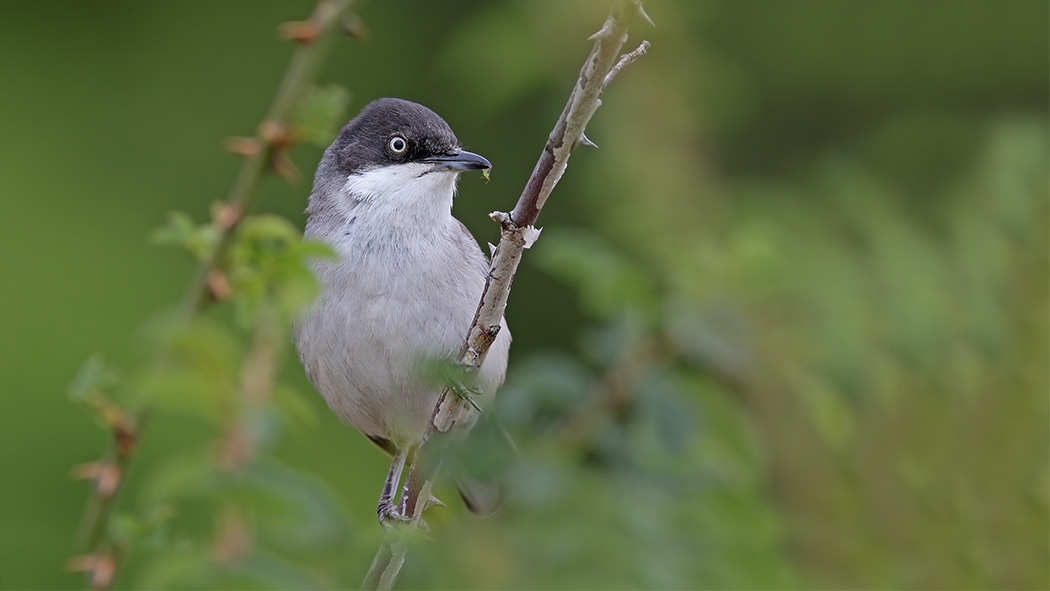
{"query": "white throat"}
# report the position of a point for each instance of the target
(406, 191)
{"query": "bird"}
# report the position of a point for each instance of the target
(404, 286)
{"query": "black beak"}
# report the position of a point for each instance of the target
(458, 161)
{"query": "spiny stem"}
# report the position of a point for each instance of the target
(301, 71)
(517, 233)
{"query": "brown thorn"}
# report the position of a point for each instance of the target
(225, 215)
(106, 476)
(245, 147)
(125, 438)
(283, 165)
(100, 568)
(356, 28)
(219, 285)
(274, 133)
(302, 32)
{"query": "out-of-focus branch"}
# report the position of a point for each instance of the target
(517, 232)
(583, 102)
(273, 137)
(266, 151)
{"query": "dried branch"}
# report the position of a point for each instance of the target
(266, 151)
(626, 60)
(517, 232)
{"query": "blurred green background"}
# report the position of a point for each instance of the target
(787, 327)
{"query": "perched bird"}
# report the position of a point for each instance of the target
(406, 282)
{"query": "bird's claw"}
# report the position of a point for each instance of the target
(463, 391)
(391, 518)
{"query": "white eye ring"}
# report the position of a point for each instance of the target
(398, 145)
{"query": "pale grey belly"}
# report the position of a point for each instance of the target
(368, 355)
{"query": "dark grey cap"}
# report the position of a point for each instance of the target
(370, 139)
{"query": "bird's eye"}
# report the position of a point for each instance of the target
(398, 145)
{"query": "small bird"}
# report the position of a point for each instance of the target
(405, 285)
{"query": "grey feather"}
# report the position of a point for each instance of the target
(407, 280)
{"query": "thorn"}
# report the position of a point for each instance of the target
(284, 167)
(105, 474)
(225, 215)
(435, 501)
(245, 147)
(274, 133)
(125, 438)
(492, 250)
(302, 32)
(586, 141)
(356, 28)
(641, 12)
(606, 26)
(219, 285)
(114, 416)
(100, 568)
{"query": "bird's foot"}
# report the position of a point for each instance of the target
(391, 518)
(463, 391)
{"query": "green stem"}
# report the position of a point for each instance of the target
(301, 71)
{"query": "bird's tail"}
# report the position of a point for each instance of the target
(482, 498)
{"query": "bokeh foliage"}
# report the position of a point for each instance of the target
(787, 327)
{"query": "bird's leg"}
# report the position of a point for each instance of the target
(417, 495)
(402, 510)
(387, 508)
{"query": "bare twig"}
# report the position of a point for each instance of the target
(267, 151)
(517, 232)
(626, 60)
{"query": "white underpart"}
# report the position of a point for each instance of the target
(405, 287)
(404, 190)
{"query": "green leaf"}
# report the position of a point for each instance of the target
(93, 376)
(268, 264)
(180, 231)
(189, 392)
(201, 375)
(181, 477)
(177, 230)
(295, 510)
(543, 388)
(319, 112)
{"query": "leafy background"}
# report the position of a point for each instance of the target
(787, 327)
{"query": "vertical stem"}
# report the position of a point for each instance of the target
(517, 233)
(303, 67)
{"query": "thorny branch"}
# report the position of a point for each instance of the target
(517, 232)
(266, 151)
